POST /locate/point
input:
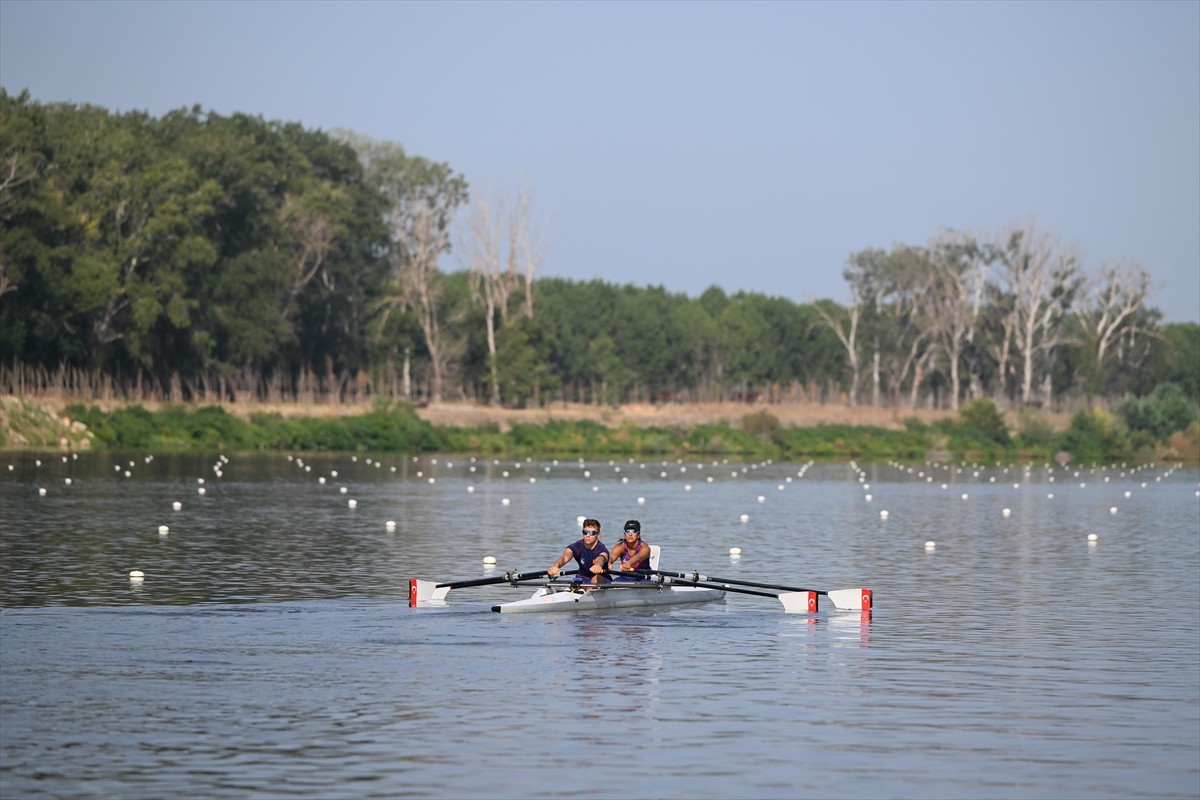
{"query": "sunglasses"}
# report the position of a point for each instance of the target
(632, 531)
(590, 533)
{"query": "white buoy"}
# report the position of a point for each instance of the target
(321, 480)
(761, 499)
(163, 530)
(41, 492)
(177, 505)
(200, 481)
(352, 503)
(931, 545)
(470, 490)
(964, 497)
(868, 498)
(67, 481)
(1092, 537)
(433, 480)
(136, 575)
(744, 517)
(489, 559)
(1007, 512)
(343, 490)
(1130, 494)
(687, 487)
(1112, 509)
(390, 524)
(200, 490)
(883, 514)
(504, 501)
(735, 551)
(641, 501)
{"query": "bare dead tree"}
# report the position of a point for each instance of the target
(421, 291)
(1110, 305)
(846, 331)
(500, 249)
(954, 298)
(530, 242)
(480, 245)
(1040, 277)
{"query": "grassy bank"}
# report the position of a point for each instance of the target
(978, 433)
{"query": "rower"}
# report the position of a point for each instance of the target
(632, 555)
(589, 551)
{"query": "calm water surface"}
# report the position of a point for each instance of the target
(270, 651)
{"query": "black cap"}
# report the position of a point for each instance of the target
(633, 525)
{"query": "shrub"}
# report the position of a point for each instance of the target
(1166, 410)
(1096, 436)
(984, 419)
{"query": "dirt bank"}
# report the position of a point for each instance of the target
(672, 414)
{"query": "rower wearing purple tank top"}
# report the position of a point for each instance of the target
(631, 555)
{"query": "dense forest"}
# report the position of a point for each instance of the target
(200, 257)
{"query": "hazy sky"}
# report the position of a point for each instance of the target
(753, 146)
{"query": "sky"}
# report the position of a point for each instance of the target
(751, 146)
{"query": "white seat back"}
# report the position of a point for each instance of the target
(654, 551)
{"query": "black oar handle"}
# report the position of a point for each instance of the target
(697, 576)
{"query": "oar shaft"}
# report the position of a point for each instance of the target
(738, 583)
(508, 577)
(686, 580)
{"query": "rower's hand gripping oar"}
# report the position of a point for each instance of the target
(845, 599)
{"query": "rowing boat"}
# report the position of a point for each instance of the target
(657, 588)
(559, 597)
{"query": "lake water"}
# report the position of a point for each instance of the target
(269, 651)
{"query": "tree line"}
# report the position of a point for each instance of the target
(198, 256)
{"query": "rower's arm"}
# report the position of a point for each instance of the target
(639, 558)
(566, 556)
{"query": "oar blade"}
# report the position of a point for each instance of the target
(426, 592)
(799, 602)
(852, 599)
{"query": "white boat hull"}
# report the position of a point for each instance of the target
(613, 595)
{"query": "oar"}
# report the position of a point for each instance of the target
(800, 602)
(420, 591)
(846, 599)
(508, 577)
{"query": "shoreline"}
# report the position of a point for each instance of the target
(36, 422)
